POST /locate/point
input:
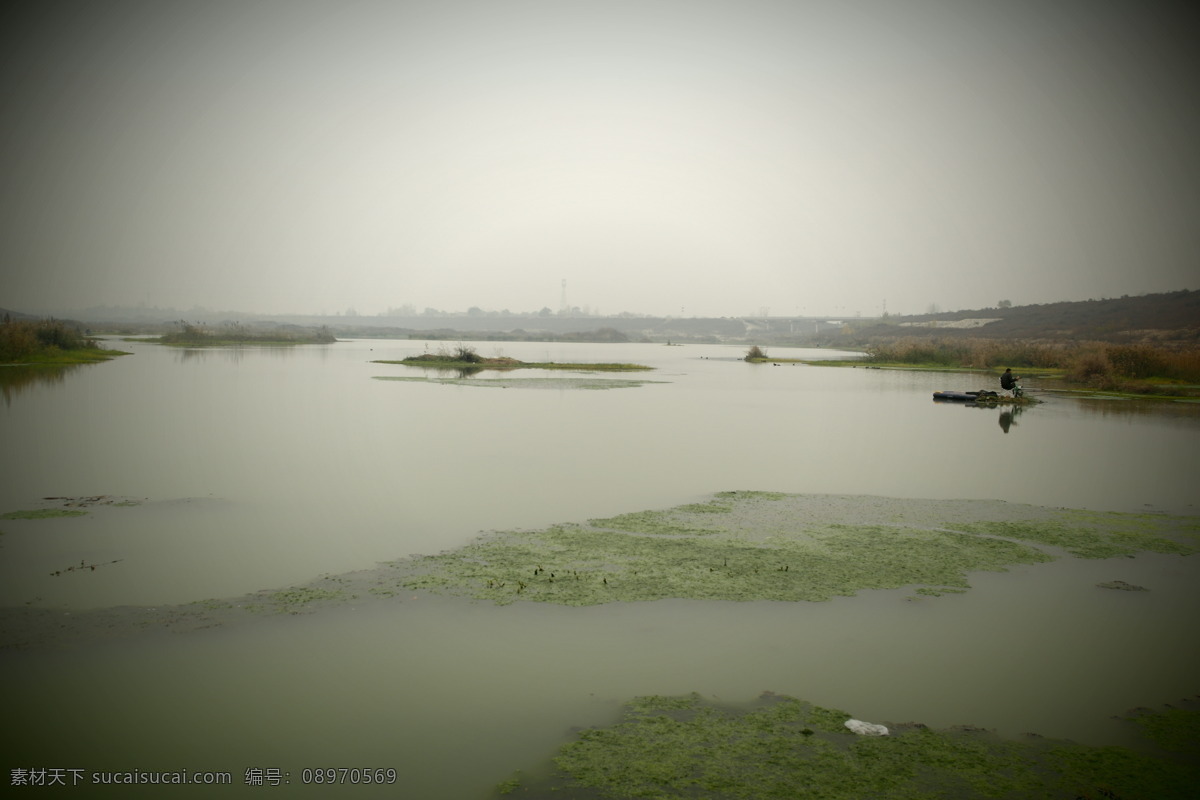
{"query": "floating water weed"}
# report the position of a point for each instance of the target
(70, 507)
(1176, 730)
(771, 546)
(1088, 535)
(783, 747)
(303, 595)
(42, 513)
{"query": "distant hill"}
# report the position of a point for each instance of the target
(14, 315)
(1169, 318)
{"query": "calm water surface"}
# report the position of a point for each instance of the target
(260, 468)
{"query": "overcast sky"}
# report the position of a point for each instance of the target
(660, 156)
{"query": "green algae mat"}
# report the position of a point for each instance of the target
(782, 747)
(788, 547)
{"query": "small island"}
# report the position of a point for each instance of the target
(464, 357)
(49, 342)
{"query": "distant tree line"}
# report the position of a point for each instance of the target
(239, 333)
(600, 335)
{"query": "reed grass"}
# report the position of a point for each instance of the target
(235, 333)
(1137, 368)
(46, 340)
(755, 354)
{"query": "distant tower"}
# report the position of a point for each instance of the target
(562, 304)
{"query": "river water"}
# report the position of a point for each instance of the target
(260, 468)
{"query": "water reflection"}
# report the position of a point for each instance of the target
(1008, 414)
(198, 354)
(1008, 417)
(18, 378)
(1121, 407)
(233, 353)
(452, 372)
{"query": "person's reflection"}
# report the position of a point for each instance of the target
(1007, 417)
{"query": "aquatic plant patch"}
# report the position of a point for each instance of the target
(303, 595)
(576, 565)
(42, 513)
(1174, 729)
(739, 546)
(69, 507)
(783, 747)
(768, 546)
(674, 522)
(749, 495)
(1087, 534)
(95, 500)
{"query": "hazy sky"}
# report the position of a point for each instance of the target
(658, 155)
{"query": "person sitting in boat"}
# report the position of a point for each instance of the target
(1008, 381)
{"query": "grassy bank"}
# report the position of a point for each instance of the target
(50, 342)
(234, 333)
(1132, 369)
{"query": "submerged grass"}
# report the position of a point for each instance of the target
(299, 596)
(527, 383)
(762, 546)
(1176, 730)
(783, 747)
(69, 507)
(42, 513)
(1087, 534)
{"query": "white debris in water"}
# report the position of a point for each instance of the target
(866, 728)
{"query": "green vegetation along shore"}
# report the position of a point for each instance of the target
(49, 342)
(1129, 369)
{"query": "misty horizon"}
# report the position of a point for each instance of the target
(145, 311)
(662, 158)
(96, 313)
